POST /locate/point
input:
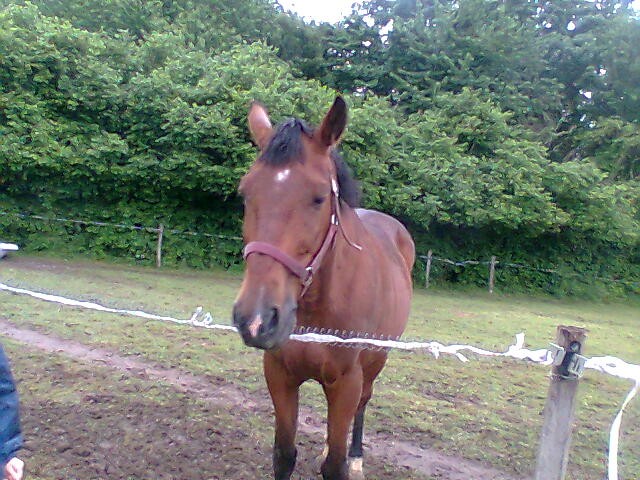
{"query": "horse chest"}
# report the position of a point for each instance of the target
(318, 362)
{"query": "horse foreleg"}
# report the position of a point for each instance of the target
(343, 397)
(284, 395)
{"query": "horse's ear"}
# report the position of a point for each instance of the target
(259, 125)
(333, 124)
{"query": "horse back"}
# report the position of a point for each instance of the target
(391, 232)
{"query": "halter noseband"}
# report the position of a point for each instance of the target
(304, 273)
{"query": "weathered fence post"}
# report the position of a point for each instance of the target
(555, 439)
(427, 270)
(159, 248)
(492, 273)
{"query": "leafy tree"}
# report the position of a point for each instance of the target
(484, 130)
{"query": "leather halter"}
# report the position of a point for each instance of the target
(304, 273)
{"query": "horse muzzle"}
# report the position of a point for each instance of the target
(268, 327)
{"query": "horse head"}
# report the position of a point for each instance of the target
(291, 212)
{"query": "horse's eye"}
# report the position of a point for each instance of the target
(318, 200)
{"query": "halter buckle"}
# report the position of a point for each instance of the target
(306, 281)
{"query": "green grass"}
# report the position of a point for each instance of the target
(487, 409)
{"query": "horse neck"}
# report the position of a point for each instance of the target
(330, 278)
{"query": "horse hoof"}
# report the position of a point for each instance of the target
(355, 469)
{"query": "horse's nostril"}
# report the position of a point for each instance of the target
(273, 321)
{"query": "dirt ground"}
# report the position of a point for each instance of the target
(92, 414)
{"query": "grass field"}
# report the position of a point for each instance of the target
(487, 410)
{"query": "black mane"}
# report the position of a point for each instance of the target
(349, 187)
(286, 146)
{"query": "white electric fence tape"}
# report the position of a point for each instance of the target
(609, 365)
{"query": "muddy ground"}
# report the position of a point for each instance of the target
(92, 414)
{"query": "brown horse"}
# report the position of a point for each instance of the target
(313, 259)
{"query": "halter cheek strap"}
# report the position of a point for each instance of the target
(304, 273)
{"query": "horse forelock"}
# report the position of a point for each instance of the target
(286, 146)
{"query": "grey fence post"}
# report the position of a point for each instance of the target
(555, 439)
(492, 273)
(427, 270)
(159, 247)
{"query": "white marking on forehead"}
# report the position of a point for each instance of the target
(282, 175)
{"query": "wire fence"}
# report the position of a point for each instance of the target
(160, 230)
(492, 264)
(123, 226)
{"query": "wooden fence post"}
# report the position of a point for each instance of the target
(427, 270)
(159, 247)
(492, 273)
(555, 439)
